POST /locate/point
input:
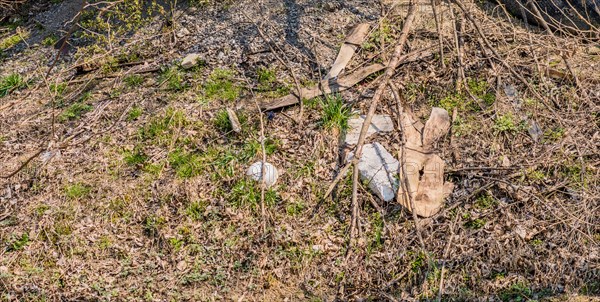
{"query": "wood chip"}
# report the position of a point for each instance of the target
(233, 119)
(354, 40)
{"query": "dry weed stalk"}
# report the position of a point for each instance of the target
(10, 4)
(269, 42)
(389, 72)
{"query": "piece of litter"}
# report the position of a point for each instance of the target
(271, 173)
(379, 123)
(424, 180)
(436, 127)
(379, 169)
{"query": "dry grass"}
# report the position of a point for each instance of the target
(139, 192)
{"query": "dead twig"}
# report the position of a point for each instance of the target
(344, 82)
(299, 95)
(434, 4)
(389, 72)
(262, 138)
(446, 251)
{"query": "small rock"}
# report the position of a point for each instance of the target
(234, 121)
(191, 60)
(379, 123)
(379, 169)
(505, 162)
(534, 130)
(510, 91)
(183, 32)
(182, 265)
(520, 230)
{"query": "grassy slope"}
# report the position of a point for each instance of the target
(149, 199)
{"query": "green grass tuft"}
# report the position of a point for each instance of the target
(266, 76)
(246, 192)
(481, 90)
(196, 210)
(335, 113)
(220, 86)
(160, 128)
(454, 100)
(485, 201)
(58, 89)
(383, 33)
(77, 191)
(475, 224)
(18, 243)
(13, 40)
(295, 208)
(505, 124)
(221, 121)
(553, 135)
(134, 113)
(11, 83)
(49, 40)
(252, 148)
(133, 80)
(173, 78)
(518, 291)
(152, 225)
(186, 164)
(135, 157)
(75, 111)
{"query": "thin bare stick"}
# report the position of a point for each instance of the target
(389, 72)
(446, 251)
(262, 169)
(487, 44)
(263, 185)
(290, 69)
(29, 159)
(457, 45)
(434, 4)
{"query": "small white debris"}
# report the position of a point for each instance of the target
(379, 169)
(379, 123)
(271, 174)
(181, 265)
(190, 60)
(520, 230)
(505, 161)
